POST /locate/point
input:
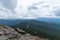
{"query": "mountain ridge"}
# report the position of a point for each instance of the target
(40, 28)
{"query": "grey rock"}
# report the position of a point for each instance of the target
(30, 37)
(8, 31)
(20, 31)
(3, 38)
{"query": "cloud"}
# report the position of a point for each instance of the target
(29, 9)
(5, 13)
(57, 12)
(44, 8)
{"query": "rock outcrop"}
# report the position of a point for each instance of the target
(8, 33)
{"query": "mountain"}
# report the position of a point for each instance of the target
(10, 22)
(39, 28)
(9, 33)
(50, 20)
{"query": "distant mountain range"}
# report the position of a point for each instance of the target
(48, 28)
(39, 28)
(10, 22)
(50, 20)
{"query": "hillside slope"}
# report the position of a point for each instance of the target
(8, 33)
(42, 29)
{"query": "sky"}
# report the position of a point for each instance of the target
(29, 9)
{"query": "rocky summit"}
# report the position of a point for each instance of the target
(8, 33)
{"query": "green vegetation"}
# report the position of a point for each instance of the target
(42, 29)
